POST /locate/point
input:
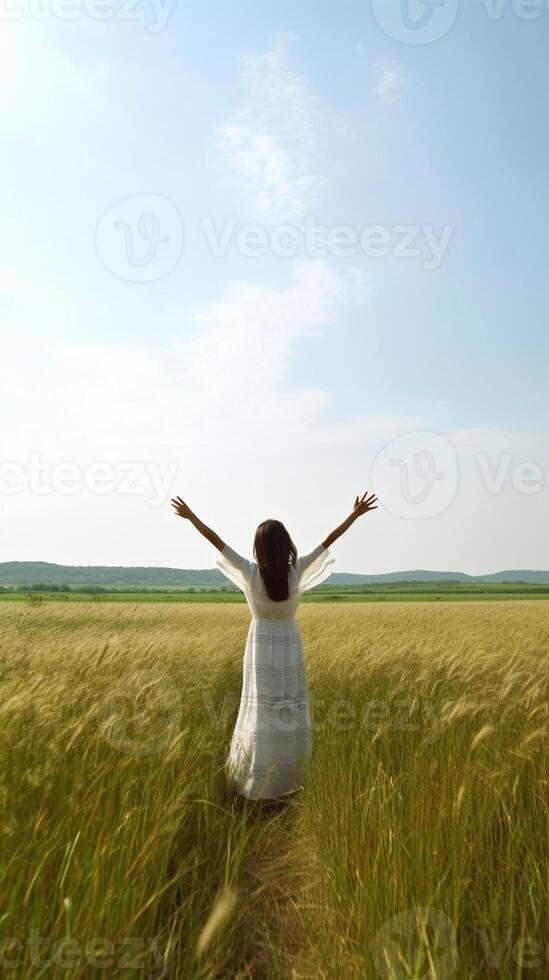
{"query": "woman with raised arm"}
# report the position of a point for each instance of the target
(272, 735)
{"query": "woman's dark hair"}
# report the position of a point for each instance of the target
(274, 552)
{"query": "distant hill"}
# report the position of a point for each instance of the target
(33, 572)
(29, 573)
(418, 575)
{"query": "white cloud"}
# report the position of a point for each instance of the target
(248, 443)
(218, 402)
(271, 144)
(227, 381)
(390, 83)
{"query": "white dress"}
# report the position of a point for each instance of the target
(272, 734)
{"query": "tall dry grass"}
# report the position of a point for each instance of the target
(425, 799)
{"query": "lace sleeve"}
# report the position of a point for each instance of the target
(312, 569)
(235, 567)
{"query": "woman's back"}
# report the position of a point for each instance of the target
(307, 571)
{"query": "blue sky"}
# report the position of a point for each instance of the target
(275, 384)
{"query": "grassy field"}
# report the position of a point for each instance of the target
(418, 846)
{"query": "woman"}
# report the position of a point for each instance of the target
(272, 736)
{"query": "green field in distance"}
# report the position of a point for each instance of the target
(400, 592)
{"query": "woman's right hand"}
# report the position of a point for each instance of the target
(365, 504)
(181, 508)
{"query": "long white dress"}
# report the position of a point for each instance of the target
(272, 735)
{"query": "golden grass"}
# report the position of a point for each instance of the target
(426, 798)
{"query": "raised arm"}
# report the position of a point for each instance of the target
(362, 506)
(183, 510)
